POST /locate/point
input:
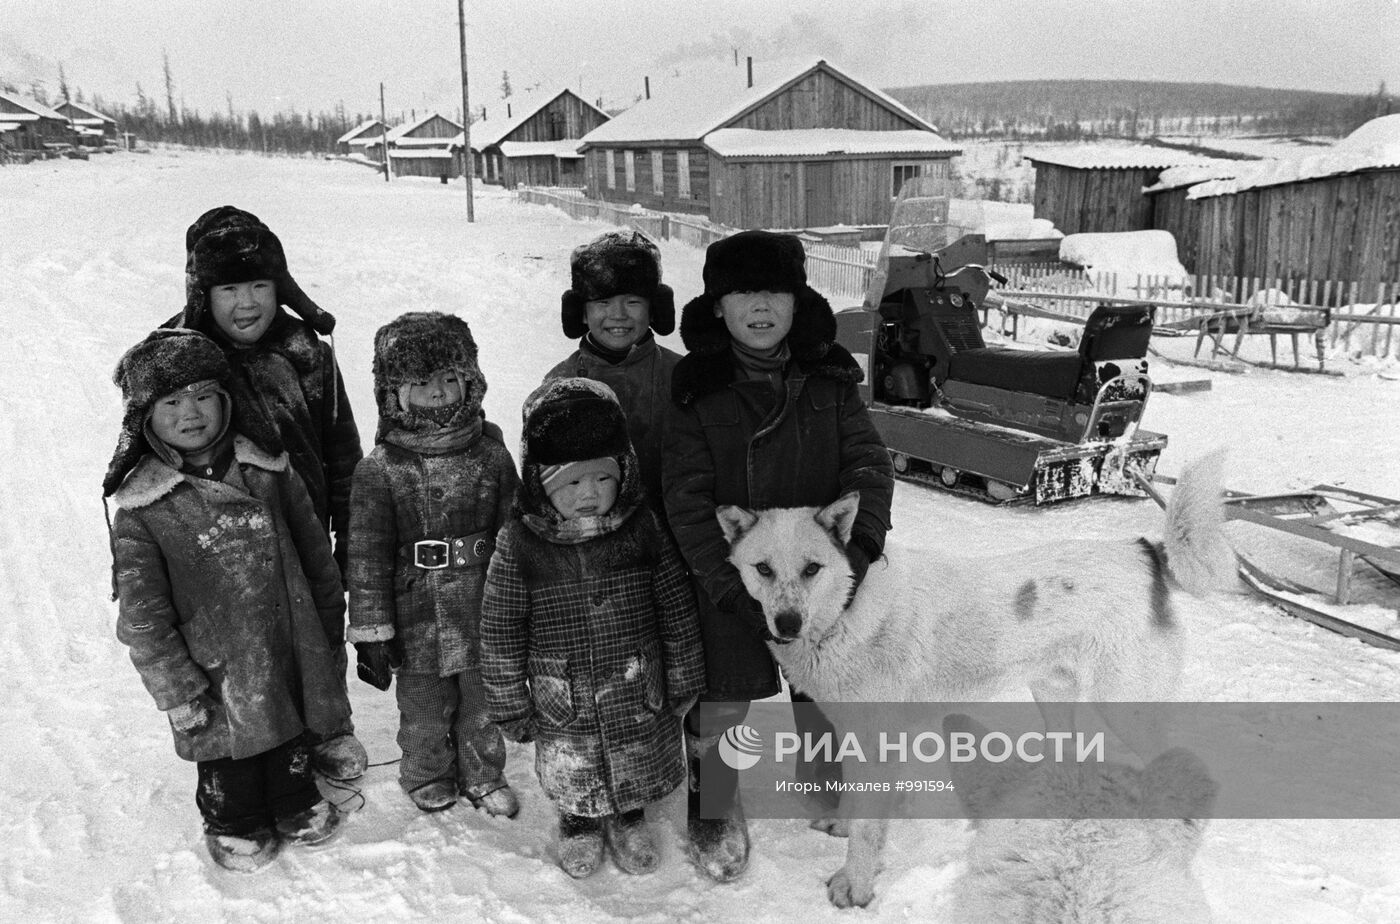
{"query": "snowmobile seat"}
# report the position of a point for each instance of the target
(1053, 374)
(1116, 332)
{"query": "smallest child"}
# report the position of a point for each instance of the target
(225, 581)
(590, 642)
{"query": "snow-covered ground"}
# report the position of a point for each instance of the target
(99, 822)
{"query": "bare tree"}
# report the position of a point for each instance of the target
(170, 90)
(505, 84)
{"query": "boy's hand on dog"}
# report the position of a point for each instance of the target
(859, 557)
(375, 663)
(521, 729)
(190, 718)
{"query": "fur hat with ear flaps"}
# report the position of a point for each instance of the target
(571, 420)
(166, 361)
(228, 245)
(616, 263)
(412, 348)
(757, 261)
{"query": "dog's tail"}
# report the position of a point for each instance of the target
(1199, 556)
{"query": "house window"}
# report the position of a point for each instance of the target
(611, 156)
(658, 177)
(683, 174)
(629, 166)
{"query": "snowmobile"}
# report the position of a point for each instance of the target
(1002, 424)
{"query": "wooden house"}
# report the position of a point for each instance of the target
(810, 148)
(93, 128)
(1086, 187)
(428, 146)
(537, 145)
(358, 138)
(26, 125)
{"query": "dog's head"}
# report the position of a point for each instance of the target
(793, 562)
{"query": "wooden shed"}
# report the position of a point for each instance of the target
(358, 138)
(1099, 188)
(1334, 215)
(428, 146)
(26, 125)
(537, 143)
(94, 129)
(812, 147)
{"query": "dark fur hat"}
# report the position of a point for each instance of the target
(570, 420)
(228, 245)
(411, 348)
(616, 263)
(756, 261)
(166, 361)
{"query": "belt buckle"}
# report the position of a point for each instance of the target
(436, 549)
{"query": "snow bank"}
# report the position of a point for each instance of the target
(1127, 253)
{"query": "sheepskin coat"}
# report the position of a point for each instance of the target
(226, 593)
(404, 492)
(732, 440)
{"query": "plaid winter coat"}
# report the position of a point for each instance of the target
(594, 639)
(400, 496)
(226, 595)
(291, 376)
(642, 383)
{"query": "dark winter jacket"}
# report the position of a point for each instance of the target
(734, 441)
(402, 495)
(229, 595)
(291, 376)
(594, 639)
(642, 383)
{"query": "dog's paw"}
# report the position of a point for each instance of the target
(836, 827)
(845, 892)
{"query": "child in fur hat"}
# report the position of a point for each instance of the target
(589, 639)
(424, 511)
(236, 277)
(615, 302)
(766, 414)
(224, 577)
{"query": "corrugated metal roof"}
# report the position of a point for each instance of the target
(1373, 146)
(1191, 174)
(488, 132)
(1112, 157)
(804, 142)
(396, 133)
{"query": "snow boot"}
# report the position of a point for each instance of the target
(501, 801)
(245, 853)
(632, 843)
(437, 796)
(719, 844)
(314, 826)
(340, 758)
(580, 844)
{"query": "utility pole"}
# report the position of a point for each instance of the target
(468, 166)
(384, 131)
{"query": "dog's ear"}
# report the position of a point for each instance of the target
(735, 521)
(839, 516)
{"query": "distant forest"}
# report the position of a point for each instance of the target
(1069, 110)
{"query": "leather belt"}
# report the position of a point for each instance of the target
(449, 551)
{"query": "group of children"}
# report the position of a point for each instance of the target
(585, 604)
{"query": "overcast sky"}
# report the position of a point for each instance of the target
(302, 55)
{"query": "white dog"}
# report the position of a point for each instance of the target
(1086, 620)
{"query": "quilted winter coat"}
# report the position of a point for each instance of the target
(594, 638)
(228, 594)
(402, 495)
(642, 383)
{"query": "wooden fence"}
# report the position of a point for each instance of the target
(1363, 319)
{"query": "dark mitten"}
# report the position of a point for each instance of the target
(521, 729)
(374, 664)
(859, 557)
(747, 610)
(190, 718)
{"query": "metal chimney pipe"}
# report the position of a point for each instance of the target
(750, 61)
(646, 85)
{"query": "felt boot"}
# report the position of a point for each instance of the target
(340, 758)
(316, 825)
(242, 853)
(501, 802)
(632, 843)
(580, 844)
(719, 840)
(437, 796)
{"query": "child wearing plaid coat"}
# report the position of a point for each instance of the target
(590, 644)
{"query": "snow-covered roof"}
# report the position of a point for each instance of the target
(367, 140)
(1190, 174)
(420, 153)
(1373, 146)
(396, 133)
(358, 130)
(427, 142)
(493, 131)
(92, 113)
(8, 126)
(36, 109)
(1112, 157)
(567, 149)
(689, 109)
(800, 142)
